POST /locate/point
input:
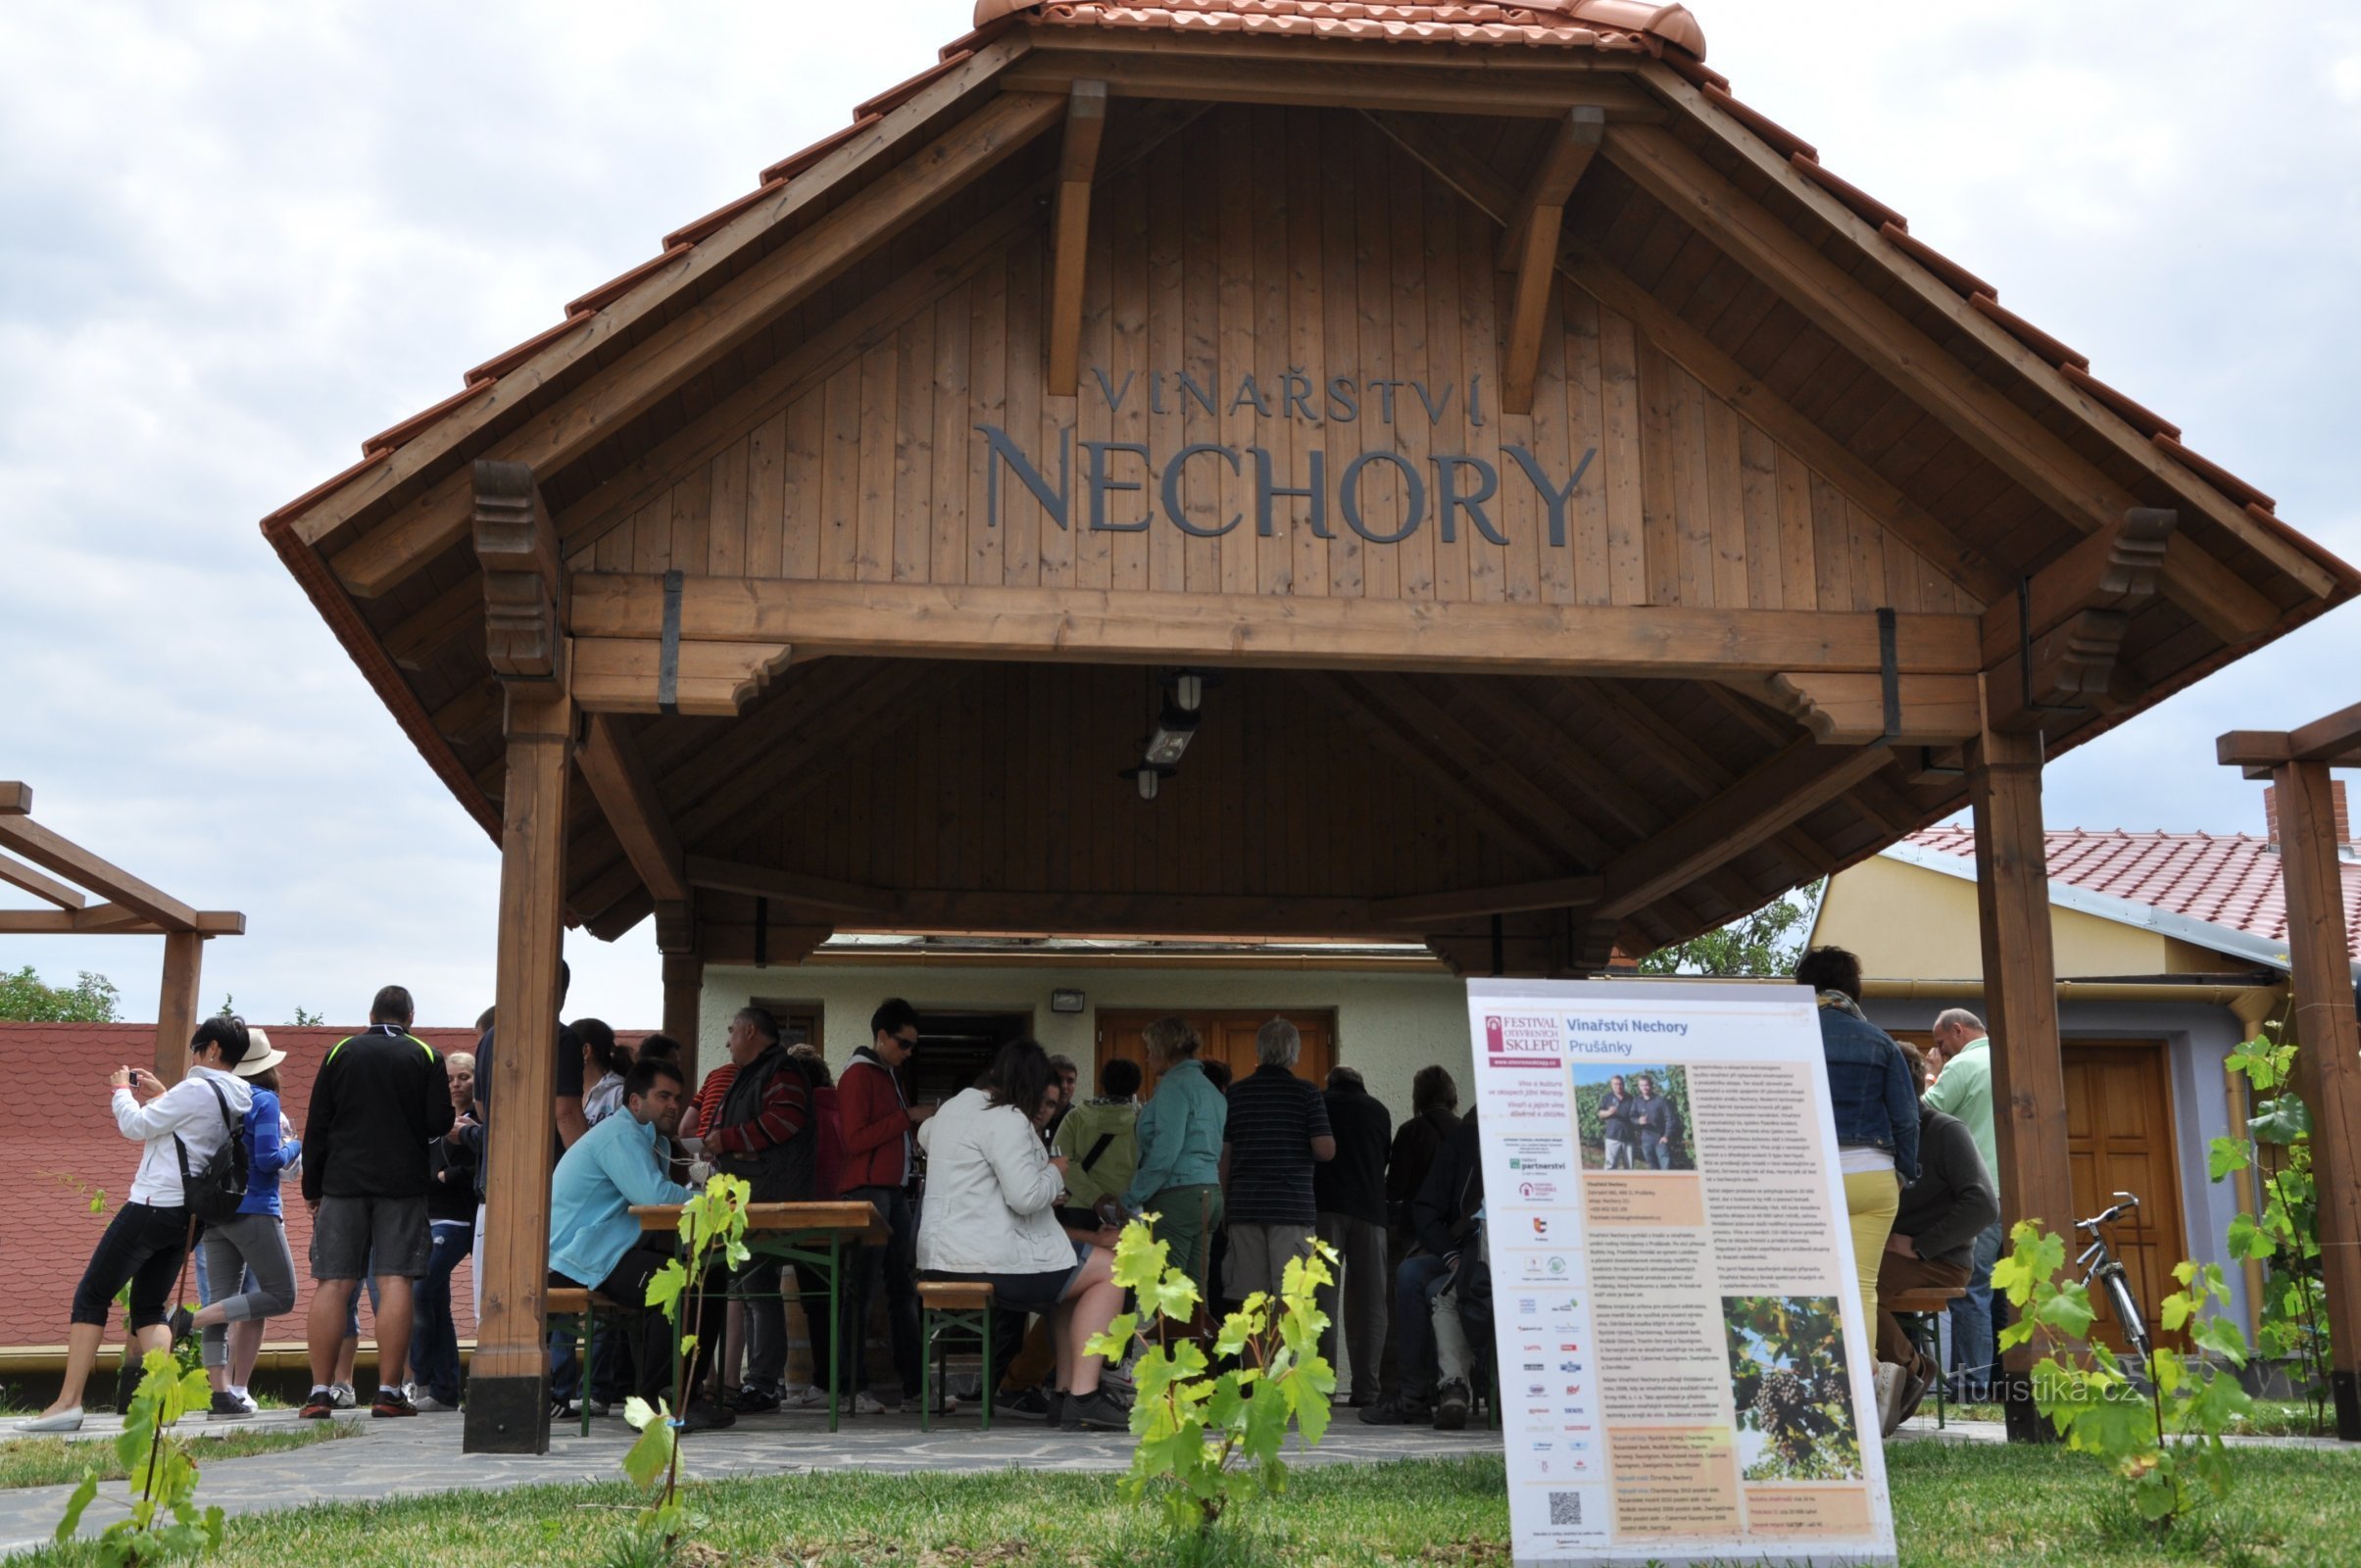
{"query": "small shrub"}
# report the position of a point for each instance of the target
(163, 1478)
(1199, 1428)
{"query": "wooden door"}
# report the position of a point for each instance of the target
(1229, 1037)
(2119, 1139)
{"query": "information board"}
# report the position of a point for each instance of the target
(1685, 1374)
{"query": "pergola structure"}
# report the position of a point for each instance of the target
(2320, 975)
(1601, 518)
(129, 907)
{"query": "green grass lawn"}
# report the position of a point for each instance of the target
(2271, 1418)
(1954, 1504)
(55, 1461)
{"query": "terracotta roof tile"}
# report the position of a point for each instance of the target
(894, 97)
(1851, 195)
(622, 284)
(1762, 124)
(388, 439)
(2230, 880)
(795, 164)
(2140, 418)
(501, 363)
(689, 235)
(2025, 333)
(1612, 24)
(2213, 474)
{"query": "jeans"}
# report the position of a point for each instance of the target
(249, 1251)
(1361, 1257)
(758, 1286)
(1416, 1284)
(895, 1264)
(433, 1337)
(1972, 1314)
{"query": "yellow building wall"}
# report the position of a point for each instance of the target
(1910, 923)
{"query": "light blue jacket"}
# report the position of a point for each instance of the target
(610, 1169)
(1180, 1130)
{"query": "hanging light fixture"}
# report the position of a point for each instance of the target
(1148, 775)
(1175, 727)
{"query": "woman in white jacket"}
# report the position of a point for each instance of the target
(148, 1237)
(991, 1214)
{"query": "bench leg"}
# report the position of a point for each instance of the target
(928, 1331)
(590, 1327)
(987, 1366)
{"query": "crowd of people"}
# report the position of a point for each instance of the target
(1011, 1181)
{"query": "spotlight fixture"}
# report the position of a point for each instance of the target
(1175, 727)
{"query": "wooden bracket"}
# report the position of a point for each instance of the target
(1069, 232)
(676, 926)
(1842, 709)
(525, 581)
(1529, 250)
(2055, 646)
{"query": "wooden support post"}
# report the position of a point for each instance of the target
(684, 992)
(1069, 232)
(176, 1004)
(2020, 992)
(507, 1402)
(1529, 250)
(2328, 1060)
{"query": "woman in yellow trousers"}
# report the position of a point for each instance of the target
(1876, 1109)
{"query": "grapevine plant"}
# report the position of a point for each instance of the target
(164, 1523)
(2292, 1323)
(1791, 1385)
(2167, 1441)
(1199, 1428)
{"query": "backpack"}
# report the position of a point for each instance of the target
(218, 1190)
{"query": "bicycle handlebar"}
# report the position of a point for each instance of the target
(2129, 1202)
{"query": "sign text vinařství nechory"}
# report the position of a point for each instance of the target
(1458, 485)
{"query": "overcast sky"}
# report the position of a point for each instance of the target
(238, 238)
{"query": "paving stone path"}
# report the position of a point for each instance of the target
(407, 1458)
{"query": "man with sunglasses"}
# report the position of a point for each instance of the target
(878, 1128)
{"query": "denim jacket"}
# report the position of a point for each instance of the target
(1868, 1084)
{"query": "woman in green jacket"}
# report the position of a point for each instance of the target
(1178, 1177)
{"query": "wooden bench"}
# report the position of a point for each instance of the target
(582, 1308)
(951, 1306)
(1919, 1308)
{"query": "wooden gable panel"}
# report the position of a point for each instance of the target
(1283, 300)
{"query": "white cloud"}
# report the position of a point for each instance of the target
(238, 238)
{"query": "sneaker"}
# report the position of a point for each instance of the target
(1093, 1413)
(227, 1406)
(708, 1415)
(183, 1324)
(1916, 1381)
(810, 1396)
(866, 1403)
(68, 1419)
(1028, 1402)
(1450, 1406)
(428, 1403)
(391, 1403)
(320, 1406)
(1886, 1386)
(342, 1396)
(946, 1403)
(1401, 1410)
(752, 1401)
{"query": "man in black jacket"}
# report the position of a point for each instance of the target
(1349, 1193)
(381, 1097)
(1933, 1235)
(1444, 1216)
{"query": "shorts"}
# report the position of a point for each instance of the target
(1258, 1256)
(1023, 1293)
(359, 1237)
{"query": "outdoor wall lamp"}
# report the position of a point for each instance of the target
(1149, 775)
(1175, 727)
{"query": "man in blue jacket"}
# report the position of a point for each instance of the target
(595, 1240)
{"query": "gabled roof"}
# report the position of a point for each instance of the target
(2219, 891)
(1562, 24)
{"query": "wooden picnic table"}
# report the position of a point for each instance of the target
(794, 1233)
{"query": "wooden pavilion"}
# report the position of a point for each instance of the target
(127, 907)
(1588, 517)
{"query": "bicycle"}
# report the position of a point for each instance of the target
(2105, 1270)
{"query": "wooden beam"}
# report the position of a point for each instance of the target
(1996, 340)
(17, 874)
(715, 679)
(1069, 232)
(111, 920)
(1529, 250)
(1975, 410)
(1492, 770)
(791, 887)
(508, 1405)
(177, 1003)
(54, 852)
(1770, 797)
(618, 781)
(1423, 909)
(16, 798)
(660, 364)
(1878, 797)
(2329, 1064)
(2020, 993)
(1299, 82)
(690, 271)
(1847, 710)
(1129, 626)
(2335, 740)
(444, 619)
(684, 1004)
(1473, 178)
(1088, 911)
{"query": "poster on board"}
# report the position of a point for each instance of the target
(1685, 1373)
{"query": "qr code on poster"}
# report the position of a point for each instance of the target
(1566, 1508)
